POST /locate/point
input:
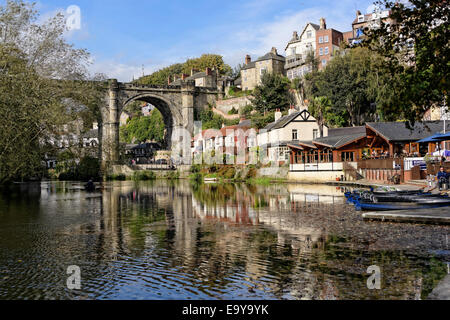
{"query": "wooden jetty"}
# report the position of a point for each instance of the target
(428, 216)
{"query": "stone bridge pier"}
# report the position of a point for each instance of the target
(176, 103)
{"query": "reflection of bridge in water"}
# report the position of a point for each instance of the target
(215, 236)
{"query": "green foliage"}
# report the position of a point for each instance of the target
(68, 169)
(161, 77)
(134, 109)
(348, 91)
(416, 51)
(117, 177)
(34, 107)
(144, 176)
(213, 61)
(88, 168)
(143, 129)
(233, 111)
(172, 175)
(247, 111)
(260, 121)
(210, 120)
(272, 94)
(235, 92)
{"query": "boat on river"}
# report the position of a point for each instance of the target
(368, 206)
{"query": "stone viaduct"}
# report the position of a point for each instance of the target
(175, 102)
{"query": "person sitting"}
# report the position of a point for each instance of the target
(442, 177)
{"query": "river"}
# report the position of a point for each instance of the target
(176, 240)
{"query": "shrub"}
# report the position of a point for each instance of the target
(117, 177)
(144, 176)
(233, 111)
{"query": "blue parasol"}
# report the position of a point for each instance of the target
(433, 138)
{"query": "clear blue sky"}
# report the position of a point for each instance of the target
(124, 35)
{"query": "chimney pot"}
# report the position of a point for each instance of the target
(274, 50)
(184, 76)
(278, 115)
(358, 13)
(248, 59)
(208, 71)
(323, 24)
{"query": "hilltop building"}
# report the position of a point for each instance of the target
(253, 71)
(316, 40)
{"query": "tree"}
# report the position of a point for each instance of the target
(161, 77)
(39, 74)
(416, 49)
(144, 129)
(321, 109)
(349, 83)
(212, 61)
(271, 94)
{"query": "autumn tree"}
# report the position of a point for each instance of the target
(40, 76)
(416, 47)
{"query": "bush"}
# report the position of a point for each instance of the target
(144, 176)
(89, 168)
(117, 177)
(174, 175)
(195, 168)
(233, 111)
(196, 177)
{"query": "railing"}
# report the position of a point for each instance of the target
(389, 163)
(308, 167)
(351, 171)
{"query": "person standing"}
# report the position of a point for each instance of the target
(442, 177)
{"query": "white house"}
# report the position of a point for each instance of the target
(297, 126)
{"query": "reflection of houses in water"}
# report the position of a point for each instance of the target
(230, 211)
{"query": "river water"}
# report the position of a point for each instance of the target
(175, 240)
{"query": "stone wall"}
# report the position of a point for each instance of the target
(274, 172)
(237, 103)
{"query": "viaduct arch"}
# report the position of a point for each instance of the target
(175, 102)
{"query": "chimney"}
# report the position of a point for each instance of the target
(358, 13)
(95, 126)
(248, 59)
(168, 80)
(278, 115)
(193, 71)
(208, 71)
(274, 51)
(323, 24)
(295, 35)
(184, 76)
(292, 110)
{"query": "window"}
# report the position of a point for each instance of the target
(309, 34)
(294, 134)
(325, 39)
(315, 134)
(324, 62)
(321, 52)
(262, 71)
(293, 51)
(327, 50)
(320, 39)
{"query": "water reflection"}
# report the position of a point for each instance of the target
(162, 240)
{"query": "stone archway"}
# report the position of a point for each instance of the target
(171, 115)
